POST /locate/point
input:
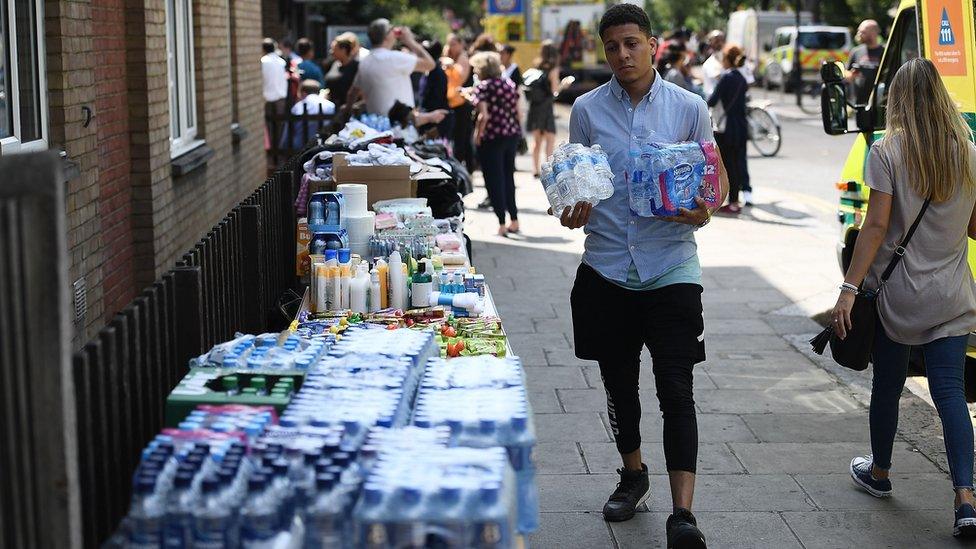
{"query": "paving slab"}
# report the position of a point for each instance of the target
(555, 377)
(745, 530)
(800, 428)
(820, 457)
(559, 458)
(744, 401)
(575, 492)
(738, 492)
(565, 357)
(874, 529)
(711, 428)
(837, 492)
(545, 401)
(747, 376)
(713, 459)
(571, 428)
(572, 531)
(734, 343)
(738, 327)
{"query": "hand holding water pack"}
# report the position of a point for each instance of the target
(575, 173)
(668, 177)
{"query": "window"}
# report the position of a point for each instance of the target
(902, 47)
(182, 89)
(823, 40)
(23, 95)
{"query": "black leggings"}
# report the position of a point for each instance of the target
(669, 322)
(734, 156)
(497, 159)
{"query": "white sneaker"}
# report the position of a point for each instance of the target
(747, 196)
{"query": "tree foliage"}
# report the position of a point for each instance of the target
(706, 14)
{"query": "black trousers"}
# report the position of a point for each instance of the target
(497, 159)
(735, 155)
(612, 325)
(463, 132)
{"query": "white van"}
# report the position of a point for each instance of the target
(754, 31)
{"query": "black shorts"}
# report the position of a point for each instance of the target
(608, 318)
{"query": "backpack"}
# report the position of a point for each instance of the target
(535, 86)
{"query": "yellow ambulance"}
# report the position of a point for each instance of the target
(939, 30)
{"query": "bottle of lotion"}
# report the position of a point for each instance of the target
(375, 290)
(421, 286)
(383, 270)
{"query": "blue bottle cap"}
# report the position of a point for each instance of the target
(280, 467)
(410, 496)
(166, 447)
(384, 422)
(422, 422)
(489, 494)
(519, 423)
(325, 481)
(184, 479)
(288, 422)
(335, 470)
(226, 476)
(487, 426)
(188, 425)
(341, 459)
(344, 255)
(373, 495)
(256, 483)
(311, 456)
(322, 464)
(331, 254)
(145, 485)
(210, 485)
(450, 494)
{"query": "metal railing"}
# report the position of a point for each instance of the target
(232, 280)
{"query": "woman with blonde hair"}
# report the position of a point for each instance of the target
(922, 174)
(496, 136)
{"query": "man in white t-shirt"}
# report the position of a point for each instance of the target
(311, 102)
(274, 76)
(712, 67)
(384, 75)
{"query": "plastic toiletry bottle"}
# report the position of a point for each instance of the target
(374, 290)
(358, 290)
(421, 287)
(321, 288)
(397, 281)
(405, 283)
(383, 271)
(344, 278)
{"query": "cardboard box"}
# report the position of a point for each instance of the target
(382, 182)
(304, 236)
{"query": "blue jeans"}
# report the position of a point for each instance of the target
(945, 361)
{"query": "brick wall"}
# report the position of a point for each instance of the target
(112, 106)
(129, 220)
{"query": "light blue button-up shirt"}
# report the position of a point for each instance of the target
(617, 238)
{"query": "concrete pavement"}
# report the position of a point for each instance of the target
(777, 426)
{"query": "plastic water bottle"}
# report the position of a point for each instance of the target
(178, 533)
(146, 515)
(326, 522)
(213, 523)
(259, 516)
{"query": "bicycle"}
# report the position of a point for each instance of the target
(764, 129)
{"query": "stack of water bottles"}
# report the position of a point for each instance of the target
(576, 173)
(420, 495)
(482, 399)
(263, 352)
(378, 122)
(233, 419)
(669, 177)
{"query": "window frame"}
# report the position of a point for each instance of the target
(13, 143)
(887, 69)
(179, 31)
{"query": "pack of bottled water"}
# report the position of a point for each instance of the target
(263, 352)
(668, 177)
(378, 122)
(576, 173)
(485, 407)
(420, 495)
(418, 346)
(227, 418)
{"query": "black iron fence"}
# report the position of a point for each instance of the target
(288, 133)
(232, 280)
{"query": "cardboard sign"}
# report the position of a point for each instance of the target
(947, 37)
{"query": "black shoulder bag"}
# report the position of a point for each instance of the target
(854, 351)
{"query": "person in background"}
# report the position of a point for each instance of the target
(342, 73)
(675, 69)
(864, 61)
(484, 42)
(310, 102)
(309, 68)
(433, 90)
(496, 135)
(274, 78)
(731, 127)
(384, 75)
(288, 52)
(541, 87)
(510, 68)
(458, 70)
(712, 68)
(929, 301)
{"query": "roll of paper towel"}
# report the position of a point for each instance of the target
(355, 198)
(360, 227)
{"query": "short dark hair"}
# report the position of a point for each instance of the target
(377, 31)
(268, 45)
(435, 49)
(623, 14)
(508, 48)
(286, 43)
(304, 46)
